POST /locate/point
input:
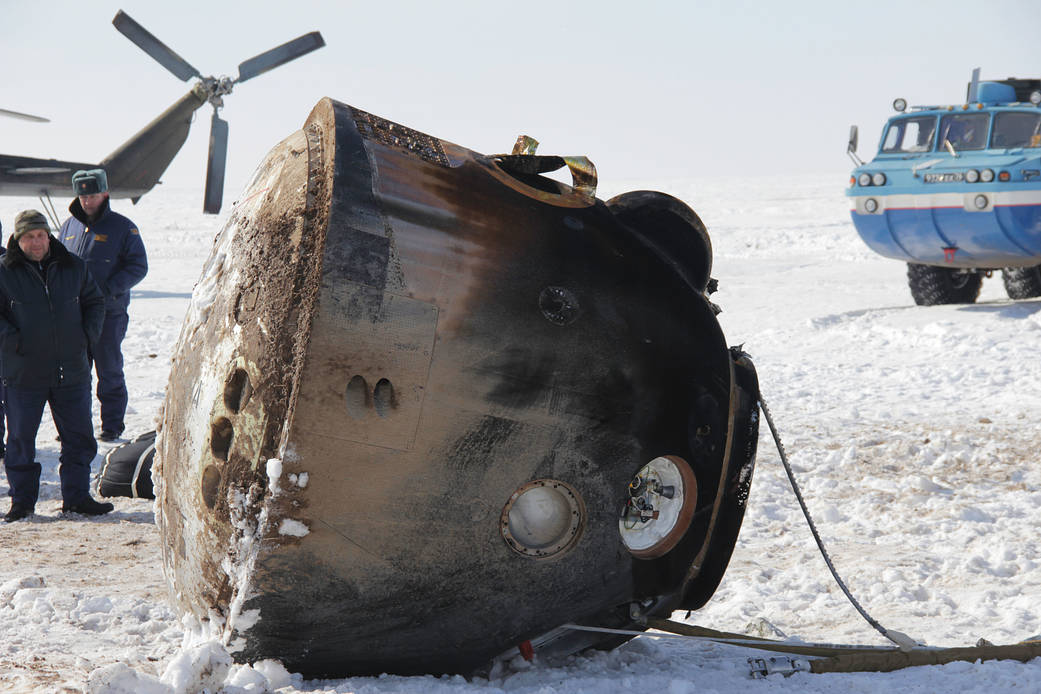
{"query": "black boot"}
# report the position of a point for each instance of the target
(110, 435)
(18, 512)
(88, 507)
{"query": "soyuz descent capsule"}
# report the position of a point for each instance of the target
(429, 405)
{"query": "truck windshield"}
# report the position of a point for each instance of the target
(910, 134)
(1012, 129)
(963, 130)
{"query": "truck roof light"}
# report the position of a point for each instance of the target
(900, 105)
(1035, 97)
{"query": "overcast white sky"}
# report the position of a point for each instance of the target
(647, 90)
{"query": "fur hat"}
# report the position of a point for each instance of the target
(89, 182)
(27, 220)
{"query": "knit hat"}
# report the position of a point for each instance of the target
(27, 220)
(89, 182)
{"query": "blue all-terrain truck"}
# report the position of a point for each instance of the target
(955, 192)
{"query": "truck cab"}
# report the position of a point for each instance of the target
(955, 192)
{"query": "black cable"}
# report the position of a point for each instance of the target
(902, 640)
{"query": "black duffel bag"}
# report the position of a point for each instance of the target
(128, 469)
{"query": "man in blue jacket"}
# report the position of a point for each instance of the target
(50, 312)
(115, 255)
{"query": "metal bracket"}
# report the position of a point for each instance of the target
(778, 664)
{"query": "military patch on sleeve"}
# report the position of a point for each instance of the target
(100, 238)
(135, 231)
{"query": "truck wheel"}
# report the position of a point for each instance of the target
(931, 285)
(1022, 282)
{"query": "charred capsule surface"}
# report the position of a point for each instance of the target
(413, 395)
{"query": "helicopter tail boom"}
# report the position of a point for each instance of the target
(135, 167)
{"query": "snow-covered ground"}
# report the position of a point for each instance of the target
(912, 431)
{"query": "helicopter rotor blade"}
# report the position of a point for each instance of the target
(291, 50)
(215, 164)
(24, 116)
(162, 53)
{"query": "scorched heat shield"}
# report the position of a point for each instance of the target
(428, 405)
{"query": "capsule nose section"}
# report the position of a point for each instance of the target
(232, 379)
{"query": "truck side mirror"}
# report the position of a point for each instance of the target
(851, 148)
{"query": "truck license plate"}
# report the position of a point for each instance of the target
(955, 177)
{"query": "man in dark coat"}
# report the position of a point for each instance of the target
(51, 311)
(3, 427)
(112, 248)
